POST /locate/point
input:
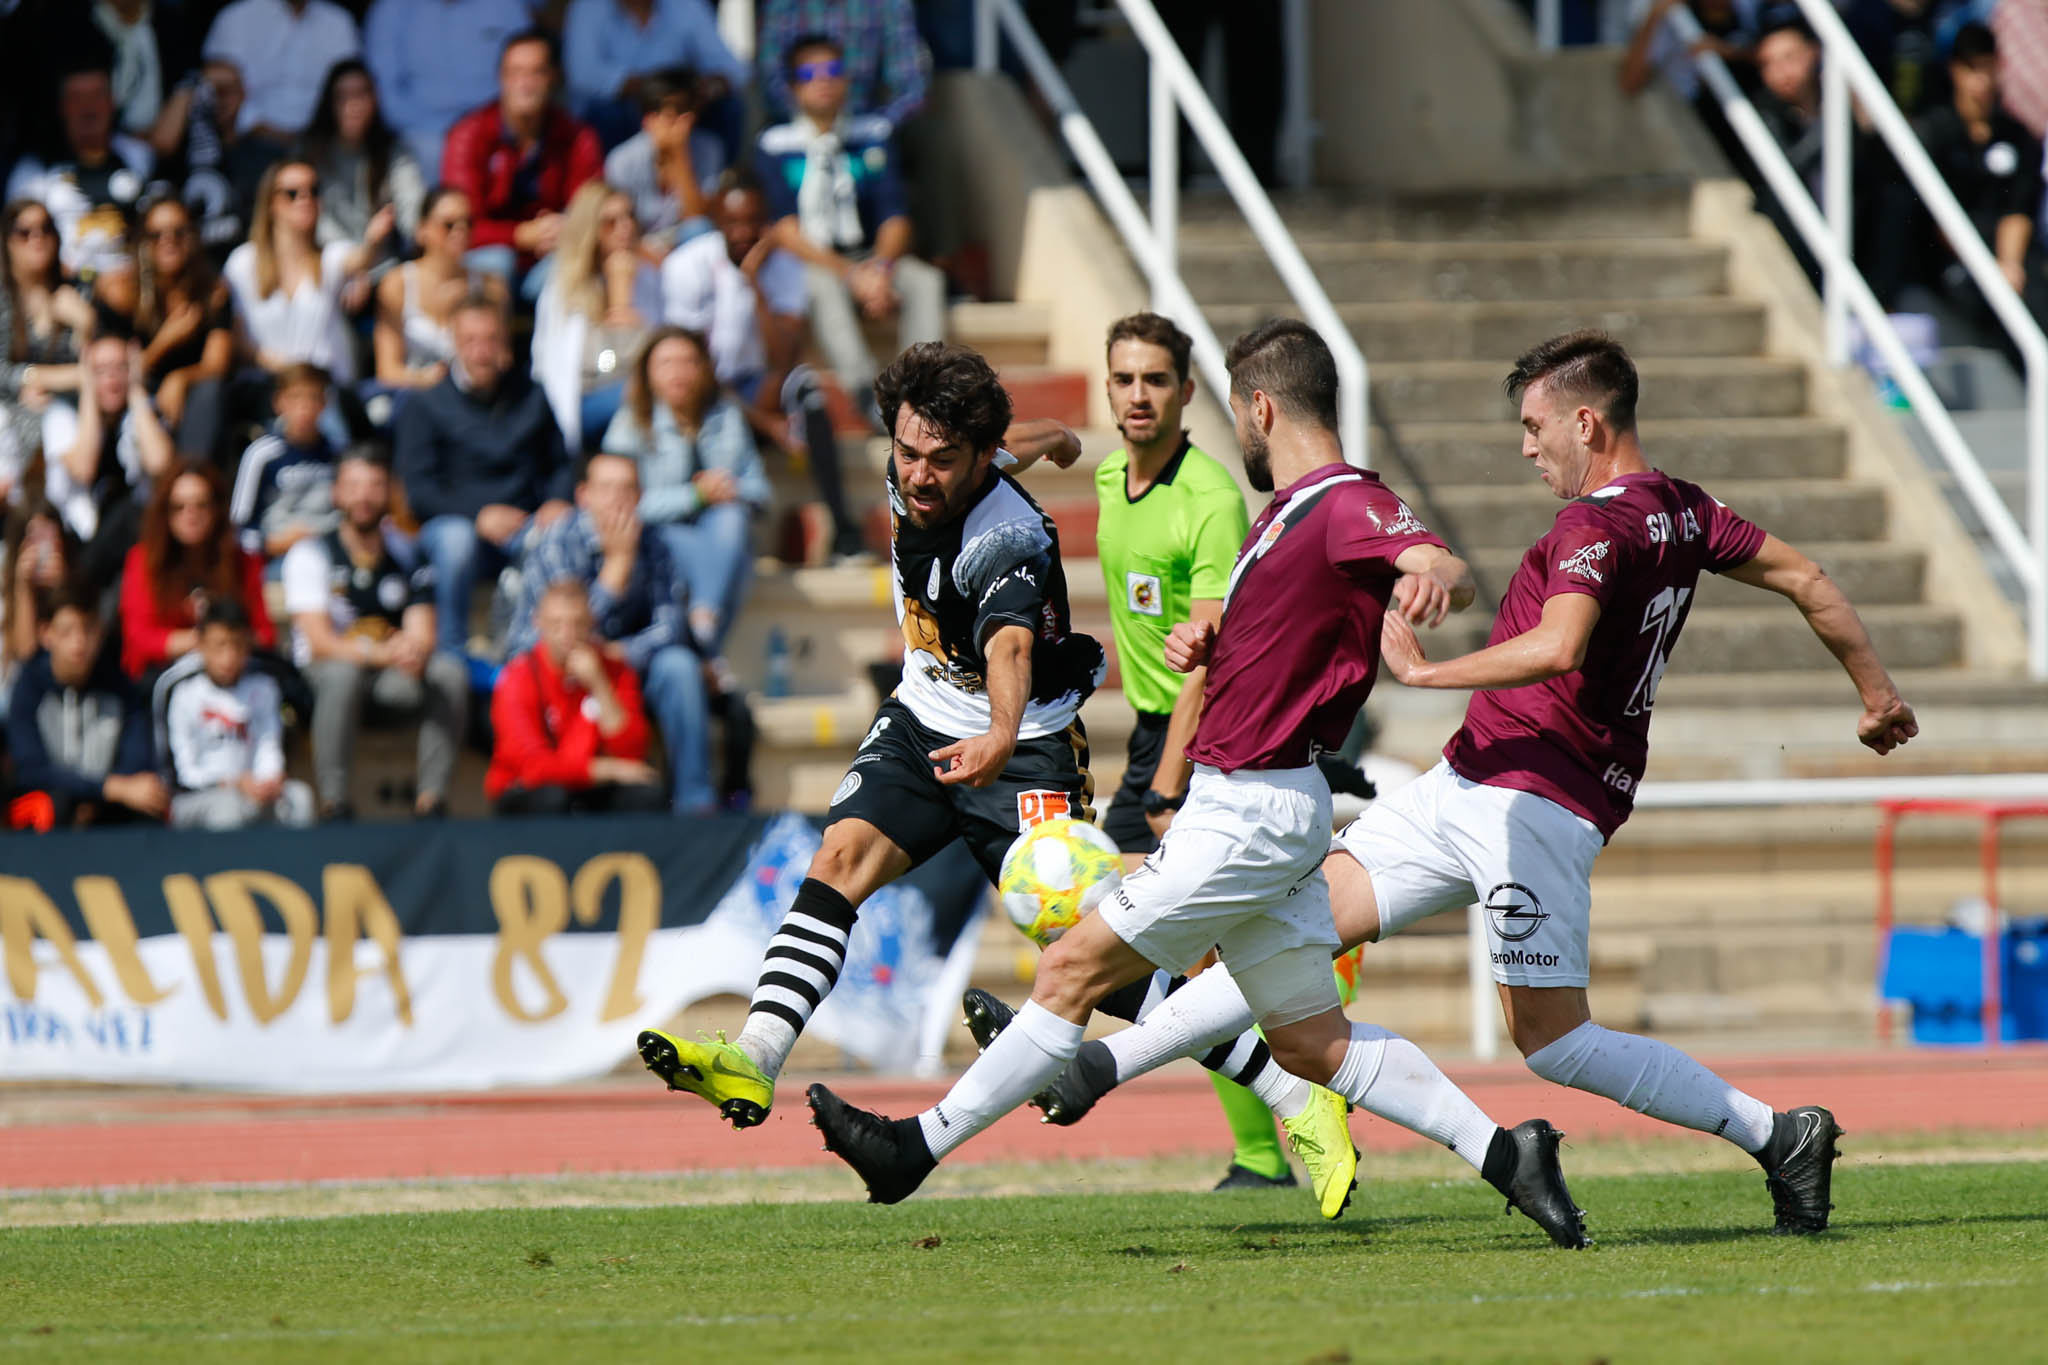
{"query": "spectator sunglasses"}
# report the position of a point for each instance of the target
(832, 68)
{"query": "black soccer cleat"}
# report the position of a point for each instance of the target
(1534, 1183)
(1799, 1168)
(1069, 1097)
(889, 1155)
(1244, 1178)
(986, 1016)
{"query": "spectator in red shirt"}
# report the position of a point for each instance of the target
(188, 556)
(571, 731)
(520, 160)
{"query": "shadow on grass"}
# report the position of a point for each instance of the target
(1840, 1229)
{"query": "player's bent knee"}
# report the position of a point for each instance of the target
(1083, 967)
(856, 860)
(1540, 1015)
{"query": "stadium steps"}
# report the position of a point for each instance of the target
(1490, 330)
(1354, 272)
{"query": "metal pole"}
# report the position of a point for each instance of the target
(1165, 171)
(1835, 172)
(1479, 968)
(986, 35)
(2037, 518)
(1298, 128)
(1549, 24)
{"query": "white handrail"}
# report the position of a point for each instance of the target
(1845, 68)
(1176, 93)
(1170, 292)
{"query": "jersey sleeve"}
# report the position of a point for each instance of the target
(1731, 540)
(1015, 596)
(1371, 529)
(1582, 554)
(1218, 527)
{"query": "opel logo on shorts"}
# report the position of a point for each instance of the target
(1515, 910)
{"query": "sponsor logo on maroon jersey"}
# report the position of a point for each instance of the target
(1582, 562)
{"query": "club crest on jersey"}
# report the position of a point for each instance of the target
(931, 587)
(848, 785)
(1142, 593)
(1582, 561)
(1405, 522)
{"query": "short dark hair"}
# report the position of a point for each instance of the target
(1590, 366)
(667, 83)
(300, 373)
(589, 458)
(226, 612)
(1159, 331)
(533, 35)
(951, 387)
(1291, 364)
(373, 453)
(1784, 18)
(809, 40)
(1973, 41)
(68, 596)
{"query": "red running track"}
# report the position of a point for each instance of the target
(171, 1138)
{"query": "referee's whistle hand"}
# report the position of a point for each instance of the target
(1188, 645)
(973, 762)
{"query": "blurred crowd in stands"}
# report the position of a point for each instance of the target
(1971, 75)
(412, 362)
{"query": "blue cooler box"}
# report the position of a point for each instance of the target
(1940, 973)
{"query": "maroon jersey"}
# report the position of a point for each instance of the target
(1636, 547)
(1299, 644)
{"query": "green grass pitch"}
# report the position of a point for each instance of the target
(1926, 1262)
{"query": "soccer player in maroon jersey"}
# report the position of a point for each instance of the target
(1546, 766)
(1290, 664)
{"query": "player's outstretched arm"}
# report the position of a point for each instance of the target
(1433, 583)
(1887, 721)
(1041, 438)
(979, 759)
(1554, 645)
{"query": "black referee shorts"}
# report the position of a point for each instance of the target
(1125, 820)
(891, 786)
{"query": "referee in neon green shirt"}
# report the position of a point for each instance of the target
(1171, 521)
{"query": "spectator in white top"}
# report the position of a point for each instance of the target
(747, 297)
(672, 164)
(287, 289)
(91, 193)
(600, 301)
(222, 731)
(283, 49)
(361, 601)
(435, 60)
(416, 303)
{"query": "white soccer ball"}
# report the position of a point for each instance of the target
(1055, 873)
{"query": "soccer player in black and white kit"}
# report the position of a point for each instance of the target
(981, 739)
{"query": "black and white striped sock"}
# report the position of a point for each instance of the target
(798, 971)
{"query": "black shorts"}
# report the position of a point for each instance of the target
(891, 786)
(1125, 821)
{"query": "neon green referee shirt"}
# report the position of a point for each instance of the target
(1175, 543)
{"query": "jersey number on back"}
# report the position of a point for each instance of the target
(1660, 621)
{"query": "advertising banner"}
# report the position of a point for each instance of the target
(437, 955)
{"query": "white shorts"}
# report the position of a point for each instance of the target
(1441, 842)
(1241, 870)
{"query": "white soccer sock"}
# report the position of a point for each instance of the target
(1385, 1074)
(1284, 1093)
(1036, 1047)
(1656, 1079)
(1207, 1011)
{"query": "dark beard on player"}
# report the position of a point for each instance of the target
(1258, 462)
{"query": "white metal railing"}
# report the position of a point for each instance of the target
(1153, 239)
(1827, 235)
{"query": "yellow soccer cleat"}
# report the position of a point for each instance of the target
(1321, 1136)
(714, 1069)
